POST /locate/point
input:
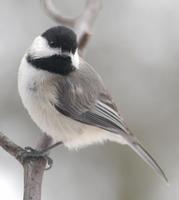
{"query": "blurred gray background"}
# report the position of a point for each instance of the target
(135, 47)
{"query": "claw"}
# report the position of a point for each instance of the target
(32, 154)
(49, 163)
(30, 150)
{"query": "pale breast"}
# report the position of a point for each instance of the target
(37, 92)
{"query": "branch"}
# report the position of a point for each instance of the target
(54, 14)
(34, 168)
(9, 146)
(34, 171)
(81, 24)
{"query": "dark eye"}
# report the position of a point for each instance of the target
(51, 43)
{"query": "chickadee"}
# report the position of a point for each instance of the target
(66, 97)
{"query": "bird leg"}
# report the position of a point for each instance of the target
(32, 154)
(46, 150)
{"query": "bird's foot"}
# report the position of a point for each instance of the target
(30, 154)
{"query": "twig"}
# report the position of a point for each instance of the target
(9, 146)
(34, 169)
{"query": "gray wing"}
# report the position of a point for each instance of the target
(83, 97)
(96, 114)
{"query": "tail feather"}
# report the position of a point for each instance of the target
(142, 152)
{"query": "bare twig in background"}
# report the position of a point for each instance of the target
(82, 24)
(34, 169)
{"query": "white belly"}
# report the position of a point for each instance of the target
(36, 94)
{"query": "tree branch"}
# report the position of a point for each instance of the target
(34, 171)
(34, 168)
(9, 146)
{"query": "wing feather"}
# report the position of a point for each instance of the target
(83, 97)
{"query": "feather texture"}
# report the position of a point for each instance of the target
(84, 98)
(76, 109)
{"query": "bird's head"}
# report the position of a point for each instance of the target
(55, 50)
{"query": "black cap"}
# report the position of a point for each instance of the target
(61, 37)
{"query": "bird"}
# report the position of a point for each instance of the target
(67, 98)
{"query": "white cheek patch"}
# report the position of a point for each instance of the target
(75, 59)
(40, 48)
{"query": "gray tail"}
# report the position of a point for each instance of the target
(142, 152)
